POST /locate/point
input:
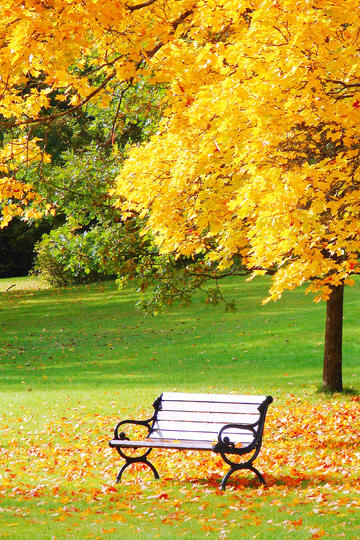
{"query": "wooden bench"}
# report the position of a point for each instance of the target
(226, 424)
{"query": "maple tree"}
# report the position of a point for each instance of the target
(257, 154)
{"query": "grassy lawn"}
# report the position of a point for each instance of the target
(74, 361)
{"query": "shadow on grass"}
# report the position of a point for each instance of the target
(347, 391)
(303, 480)
(243, 481)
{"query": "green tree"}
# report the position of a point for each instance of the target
(92, 241)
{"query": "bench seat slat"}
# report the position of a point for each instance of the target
(163, 443)
(216, 398)
(191, 406)
(218, 418)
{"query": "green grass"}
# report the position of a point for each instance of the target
(80, 338)
(85, 353)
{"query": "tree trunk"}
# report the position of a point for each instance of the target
(332, 369)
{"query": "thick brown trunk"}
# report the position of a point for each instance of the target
(332, 369)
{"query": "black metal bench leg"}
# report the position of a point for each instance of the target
(156, 474)
(130, 462)
(226, 478)
(118, 478)
(258, 474)
(233, 469)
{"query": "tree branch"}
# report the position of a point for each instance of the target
(123, 92)
(149, 54)
(46, 119)
(174, 24)
(140, 6)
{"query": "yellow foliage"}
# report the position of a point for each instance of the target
(258, 150)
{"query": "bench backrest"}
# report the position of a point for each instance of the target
(199, 417)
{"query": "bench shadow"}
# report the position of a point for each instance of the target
(285, 480)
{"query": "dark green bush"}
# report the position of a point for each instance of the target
(65, 257)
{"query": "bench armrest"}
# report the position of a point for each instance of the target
(122, 436)
(146, 423)
(225, 445)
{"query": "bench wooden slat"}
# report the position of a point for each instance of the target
(163, 443)
(201, 436)
(202, 416)
(209, 398)
(195, 427)
(209, 407)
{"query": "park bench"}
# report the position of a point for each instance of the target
(229, 425)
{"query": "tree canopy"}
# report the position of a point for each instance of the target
(258, 150)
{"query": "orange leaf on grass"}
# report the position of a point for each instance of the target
(117, 517)
(317, 533)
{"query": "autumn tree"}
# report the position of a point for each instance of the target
(257, 154)
(265, 110)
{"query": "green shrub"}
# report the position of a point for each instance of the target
(65, 257)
